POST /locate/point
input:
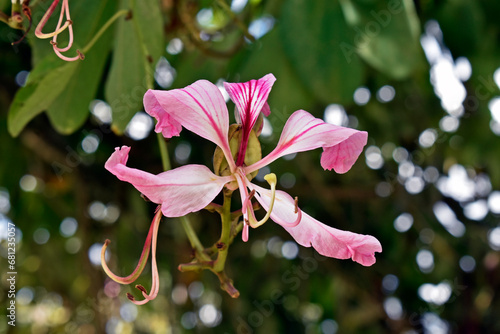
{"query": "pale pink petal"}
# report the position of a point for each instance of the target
(303, 132)
(327, 240)
(331, 242)
(251, 98)
(166, 124)
(179, 191)
(199, 107)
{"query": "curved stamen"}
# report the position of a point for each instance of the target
(64, 9)
(297, 221)
(151, 241)
(271, 179)
(247, 200)
(70, 42)
(248, 218)
(45, 18)
(155, 285)
(240, 179)
(78, 56)
(277, 219)
(140, 266)
(244, 234)
(41, 35)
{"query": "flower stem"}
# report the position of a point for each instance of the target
(165, 160)
(186, 224)
(104, 28)
(225, 237)
(235, 18)
(193, 239)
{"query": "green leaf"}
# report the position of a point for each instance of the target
(37, 96)
(313, 33)
(71, 108)
(387, 34)
(138, 46)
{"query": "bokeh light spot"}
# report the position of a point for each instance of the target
(425, 260)
(390, 283)
(139, 126)
(373, 157)
(386, 94)
(41, 235)
(403, 222)
(290, 250)
(68, 227)
(467, 263)
(362, 96)
(393, 308)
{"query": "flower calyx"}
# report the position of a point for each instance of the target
(253, 152)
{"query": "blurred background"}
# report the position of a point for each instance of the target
(422, 77)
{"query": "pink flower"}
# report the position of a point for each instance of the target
(201, 109)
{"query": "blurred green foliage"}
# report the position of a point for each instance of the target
(392, 68)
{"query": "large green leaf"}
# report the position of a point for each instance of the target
(313, 33)
(71, 108)
(387, 34)
(37, 96)
(138, 45)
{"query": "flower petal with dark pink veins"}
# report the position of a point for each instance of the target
(327, 241)
(303, 132)
(251, 98)
(180, 191)
(199, 107)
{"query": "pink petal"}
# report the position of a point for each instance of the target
(327, 240)
(166, 124)
(304, 132)
(251, 98)
(199, 107)
(331, 242)
(180, 191)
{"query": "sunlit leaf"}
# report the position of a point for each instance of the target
(138, 45)
(313, 33)
(387, 34)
